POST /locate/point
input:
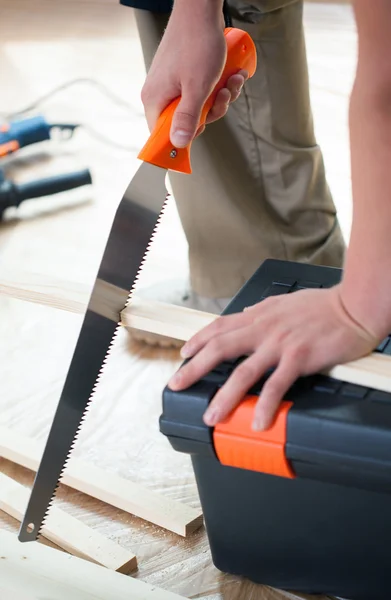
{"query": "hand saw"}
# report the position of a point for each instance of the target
(132, 231)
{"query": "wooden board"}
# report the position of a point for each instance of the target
(43, 572)
(68, 533)
(108, 487)
(373, 371)
(50, 291)
(168, 320)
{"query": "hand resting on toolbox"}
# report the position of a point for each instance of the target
(312, 330)
(301, 333)
(190, 65)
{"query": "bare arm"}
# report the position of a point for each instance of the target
(366, 291)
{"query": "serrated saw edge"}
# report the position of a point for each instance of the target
(105, 360)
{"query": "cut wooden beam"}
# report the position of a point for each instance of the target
(68, 533)
(41, 289)
(107, 487)
(38, 572)
(168, 320)
(373, 371)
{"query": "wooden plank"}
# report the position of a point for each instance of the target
(68, 533)
(48, 291)
(168, 320)
(164, 319)
(373, 371)
(107, 487)
(43, 572)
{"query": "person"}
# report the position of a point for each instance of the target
(311, 330)
(258, 187)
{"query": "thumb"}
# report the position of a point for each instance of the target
(185, 122)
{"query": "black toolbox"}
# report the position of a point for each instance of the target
(323, 524)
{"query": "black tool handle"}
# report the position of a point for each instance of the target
(52, 185)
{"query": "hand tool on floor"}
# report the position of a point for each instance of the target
(24, 132)
(131, 234)
(13, 194)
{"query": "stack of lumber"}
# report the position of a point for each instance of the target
(70, 533)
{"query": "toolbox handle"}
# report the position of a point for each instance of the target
(237, 445)
(158, 150)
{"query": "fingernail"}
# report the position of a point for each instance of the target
(186, 351)
(180, 138)
(211, 417)
(260, 423)
(175, 380)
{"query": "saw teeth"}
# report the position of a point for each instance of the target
(105, 360)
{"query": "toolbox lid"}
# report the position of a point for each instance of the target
(326, 429)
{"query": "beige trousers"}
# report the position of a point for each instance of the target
(258, 188)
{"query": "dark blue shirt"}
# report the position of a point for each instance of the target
(163, 6)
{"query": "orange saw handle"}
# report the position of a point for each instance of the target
(241, 54)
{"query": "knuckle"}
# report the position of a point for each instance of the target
(298, 353)
(187, 115)
(272, 388)
(219, 114)
(246, 371)
(218, 325)
(146, 94)
(277, 335)
(200, 85)
(266, 301)
(269, 302)
(216, 348)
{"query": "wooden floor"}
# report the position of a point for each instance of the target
(54, 247)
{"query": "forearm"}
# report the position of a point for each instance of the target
(366, 289)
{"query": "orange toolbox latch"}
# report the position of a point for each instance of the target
(237, 445)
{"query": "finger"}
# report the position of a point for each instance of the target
(153, 111)
(220, 106)
(227, 95)
(237, 385)
(244, 74)
(220, 348)
(187, 117)
(200, 130)
(273, 392)
(235, 85)
(155, 102)
(262, 314)
(220, 326)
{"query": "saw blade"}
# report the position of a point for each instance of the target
(131, 234)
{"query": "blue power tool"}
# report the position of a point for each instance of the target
(23, 132)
